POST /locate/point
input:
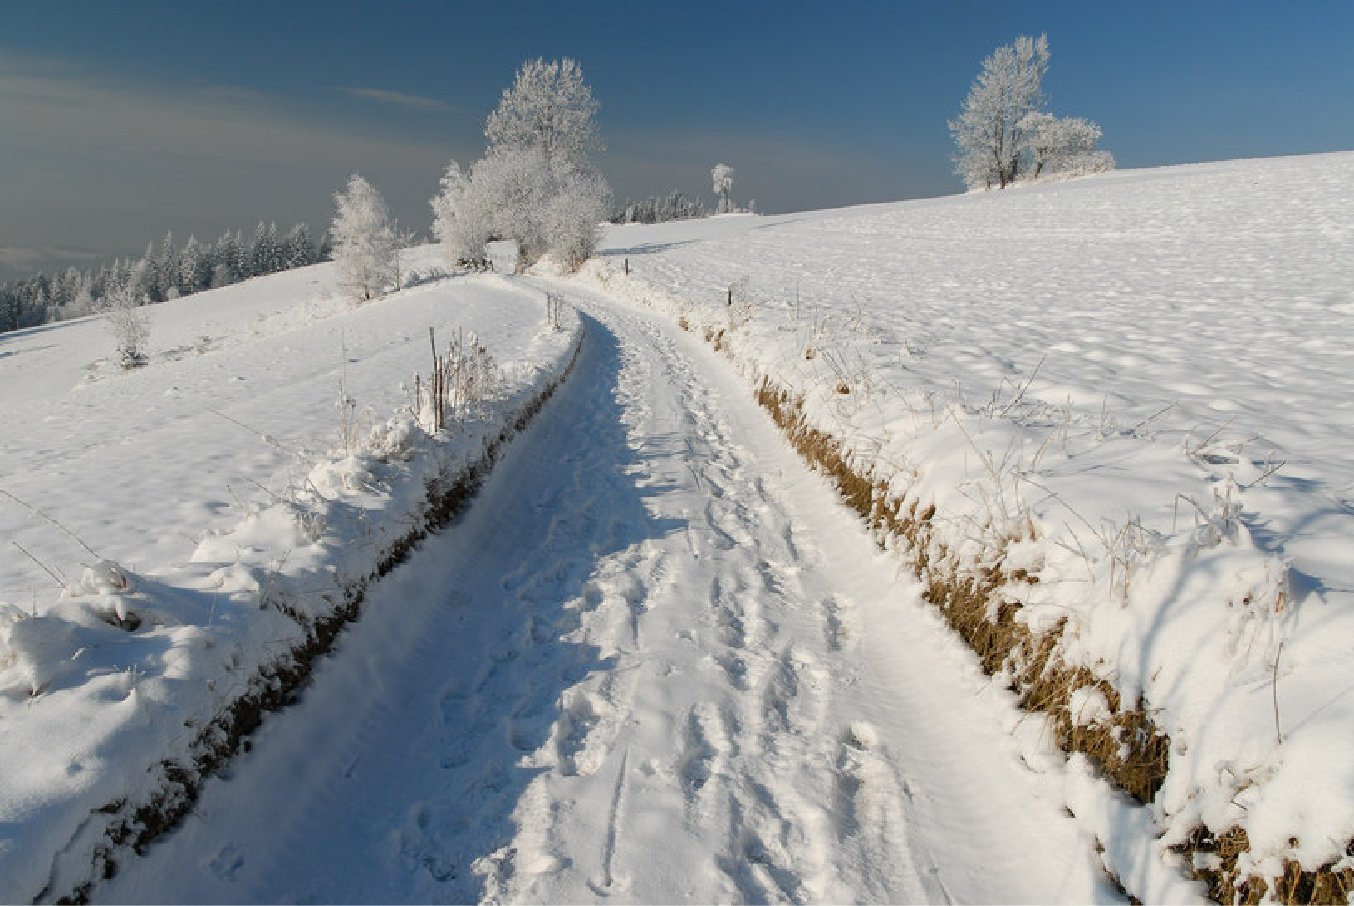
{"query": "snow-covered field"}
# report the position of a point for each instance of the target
(157, 523)
(656, 659)
(1137, 388)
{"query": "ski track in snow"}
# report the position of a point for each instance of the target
(654, 662)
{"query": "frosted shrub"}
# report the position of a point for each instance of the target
(128, 323)
(462, 376)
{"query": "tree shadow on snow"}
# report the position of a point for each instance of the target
(547, 554)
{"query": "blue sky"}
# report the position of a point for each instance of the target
(121, 121)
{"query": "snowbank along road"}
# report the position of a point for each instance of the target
(655, 661)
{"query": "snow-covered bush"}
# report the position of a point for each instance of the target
(127, 322)
(464, 375)
(365, 244)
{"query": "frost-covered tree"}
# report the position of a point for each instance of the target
(549, 107)
(539, 165)
(127, 322)
(462, 218)
(990, 134)
(1064, 145)
(225, 256)
(195, 268)
(265, 254)
(364, 241)
(297, 249)
(722, 178)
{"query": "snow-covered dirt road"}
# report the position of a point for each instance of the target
(655, 661)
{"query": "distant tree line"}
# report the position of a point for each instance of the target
(164, 272)
(661, 209)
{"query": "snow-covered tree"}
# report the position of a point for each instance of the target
(549, 107)
(297, 249)
(364, 241)
(128, 323)
(164, 271)
(1064, 145)
(515, 184)
(462, 218)
(226, 254)
(541, 138)
(722, 177)
(265, 253)
(195, 268)
(990, 134)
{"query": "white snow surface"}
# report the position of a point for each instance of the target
(656, 662)
(656, 659)
(1153, 371)
(183, 505)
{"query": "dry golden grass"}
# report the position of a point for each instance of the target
(1226, 884)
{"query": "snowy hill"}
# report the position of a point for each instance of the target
(1084, 616)
(1128, 400)
(172, 532)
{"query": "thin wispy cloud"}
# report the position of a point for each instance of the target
(106, 163)
(20, 256)
(49, 106)
(398, 98)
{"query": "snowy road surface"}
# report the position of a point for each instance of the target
(655, 661)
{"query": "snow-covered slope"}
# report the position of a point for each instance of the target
(171, 532)
(1131, 394)
(656, 660)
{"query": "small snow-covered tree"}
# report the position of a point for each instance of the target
(364, 241)
(1064, 145)
(722, 177)
(195, 268)
(128, 323)
(297, 250)
(462, 218)
(989, 133)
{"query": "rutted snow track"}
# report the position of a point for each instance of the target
(655, 662)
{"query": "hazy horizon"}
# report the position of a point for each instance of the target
(124, 123)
